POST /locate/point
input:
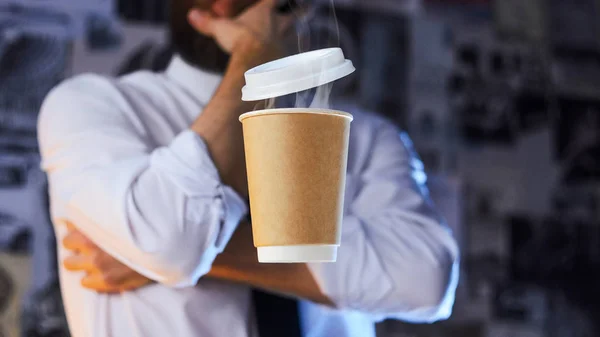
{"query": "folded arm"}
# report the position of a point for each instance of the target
(396, 259)
(164, 212)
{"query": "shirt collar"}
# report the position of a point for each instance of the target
(198, 83)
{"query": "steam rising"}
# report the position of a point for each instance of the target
(317, 98)
(321, 98)
(270, 103)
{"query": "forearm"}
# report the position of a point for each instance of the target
(219, 123)
(239, 263)
(391, 266)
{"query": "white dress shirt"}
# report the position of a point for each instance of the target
(126, 170)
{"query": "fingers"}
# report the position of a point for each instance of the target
(104, 273)
(97, 261)
(135, 284)
(226, 32)
(70, 226)
(99, 283)
(106, 279)
(202, 21)
(77, 242)
(105, 284)
(79, 262)
(119, 274)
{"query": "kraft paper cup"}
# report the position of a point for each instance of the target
(296, 162)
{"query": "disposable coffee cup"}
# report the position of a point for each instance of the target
(296, 160)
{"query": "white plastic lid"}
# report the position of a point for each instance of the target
(297, 253)
(295, 73)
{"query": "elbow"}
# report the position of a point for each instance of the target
(430, 291)
(429, 297)
(419, 288)
(425, 296)
(435, 301)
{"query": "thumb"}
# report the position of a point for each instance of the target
(202, 21)
(225, 31)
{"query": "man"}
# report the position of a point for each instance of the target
(148, 190)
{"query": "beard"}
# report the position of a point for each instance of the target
(194, 48)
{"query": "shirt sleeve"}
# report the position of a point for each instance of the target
(396, 259)
(162, 211)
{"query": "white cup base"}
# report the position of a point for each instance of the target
(297, 254)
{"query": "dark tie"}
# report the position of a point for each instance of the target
(276, 316)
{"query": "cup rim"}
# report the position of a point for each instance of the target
(264, 112)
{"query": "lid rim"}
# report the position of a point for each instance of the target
(300, 84)
(295, 73)
(320, 52)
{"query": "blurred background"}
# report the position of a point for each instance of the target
(501, 98)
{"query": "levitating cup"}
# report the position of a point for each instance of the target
(296, 160)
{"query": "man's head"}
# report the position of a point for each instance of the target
(194, 48)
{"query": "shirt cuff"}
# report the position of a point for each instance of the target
(234, 210)
(187, 160)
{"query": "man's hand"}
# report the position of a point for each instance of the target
(252, 38)
(238, 263)
(103, 273)
(257, 33)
